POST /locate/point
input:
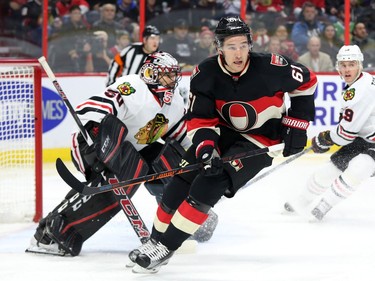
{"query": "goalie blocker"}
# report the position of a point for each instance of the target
(111, 158)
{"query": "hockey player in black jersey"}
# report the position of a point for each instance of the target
(130, 59)
(141, 111)
(237, 104)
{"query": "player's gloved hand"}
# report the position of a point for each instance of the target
(322, 142)
(294, 135)
(209, 156)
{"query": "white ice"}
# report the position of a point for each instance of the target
(254, 241)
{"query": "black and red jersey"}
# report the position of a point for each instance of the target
(251, 102)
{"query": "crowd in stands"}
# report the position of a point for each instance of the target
(85, 35)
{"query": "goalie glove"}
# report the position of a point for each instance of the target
(207, 154)
(294, 135)
(322, 143)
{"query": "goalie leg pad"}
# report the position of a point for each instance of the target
(76, 219)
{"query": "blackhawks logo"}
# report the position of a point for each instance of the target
(348, 94)
(125, 89)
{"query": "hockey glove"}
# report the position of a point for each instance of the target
(322, 142)
(294, 135)
(209, 156)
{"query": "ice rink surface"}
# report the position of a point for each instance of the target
(254, 240)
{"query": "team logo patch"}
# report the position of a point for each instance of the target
(278, 60)
(153, 130)
(348, 94)
(240, 115)
(236, 164)
(125, 89)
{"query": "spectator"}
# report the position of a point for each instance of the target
(298, 7)
(330, 44)
(269, 11)
(261, 37)
(204, 47)
(207, 13)
(232, 7)
(152, 10)
(306, 27)
(74, 35)
(314, 58)
(122, 41)
(180, 45)
(340, 23)
(128, 10)
(62, 7)
(365, 43)
(287, 47)
(108, 23)
(274, 45)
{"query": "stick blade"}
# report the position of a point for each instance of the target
(68, 177)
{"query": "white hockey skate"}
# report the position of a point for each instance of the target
(153, 259)
(141, 249)
(321, 210)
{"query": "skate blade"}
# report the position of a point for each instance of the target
(129, 264)
(141, 270)
(44, 252)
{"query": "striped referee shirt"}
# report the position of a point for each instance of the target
(128, 61)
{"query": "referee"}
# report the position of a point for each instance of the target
(131, 58)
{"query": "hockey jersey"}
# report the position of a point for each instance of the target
(145, 116)
(250, 102)
(357, 115)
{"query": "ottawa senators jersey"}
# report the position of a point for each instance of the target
(357, 112)
(146, 118)
(250, 102)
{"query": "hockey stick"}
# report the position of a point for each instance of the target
(77, 185)
(123, 199)
(282, 164)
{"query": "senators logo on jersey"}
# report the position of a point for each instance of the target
(125, 89)
(278, 60)
(241, 115)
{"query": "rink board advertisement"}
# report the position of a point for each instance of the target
(58, 124)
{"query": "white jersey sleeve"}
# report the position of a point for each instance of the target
(358, 112)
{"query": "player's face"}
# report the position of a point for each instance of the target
(349, 71)
(236, 53)
(169, 79)
(151, 43)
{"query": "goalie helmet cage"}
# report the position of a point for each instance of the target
(20, 140)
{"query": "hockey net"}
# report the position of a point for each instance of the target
(20, 141)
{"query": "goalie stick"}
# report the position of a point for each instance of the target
(125, 202)
(82, 188)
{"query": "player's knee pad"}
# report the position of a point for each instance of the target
(359, 169)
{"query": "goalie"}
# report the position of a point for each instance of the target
(129, 124)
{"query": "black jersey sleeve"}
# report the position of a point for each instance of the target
(202, 116)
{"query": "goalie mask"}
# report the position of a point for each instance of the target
(161, 69)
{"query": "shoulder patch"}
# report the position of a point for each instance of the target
(125, 89)
(278, 60)
(348, 94)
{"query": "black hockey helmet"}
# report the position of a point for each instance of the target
(229, 26)
(150, 30)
